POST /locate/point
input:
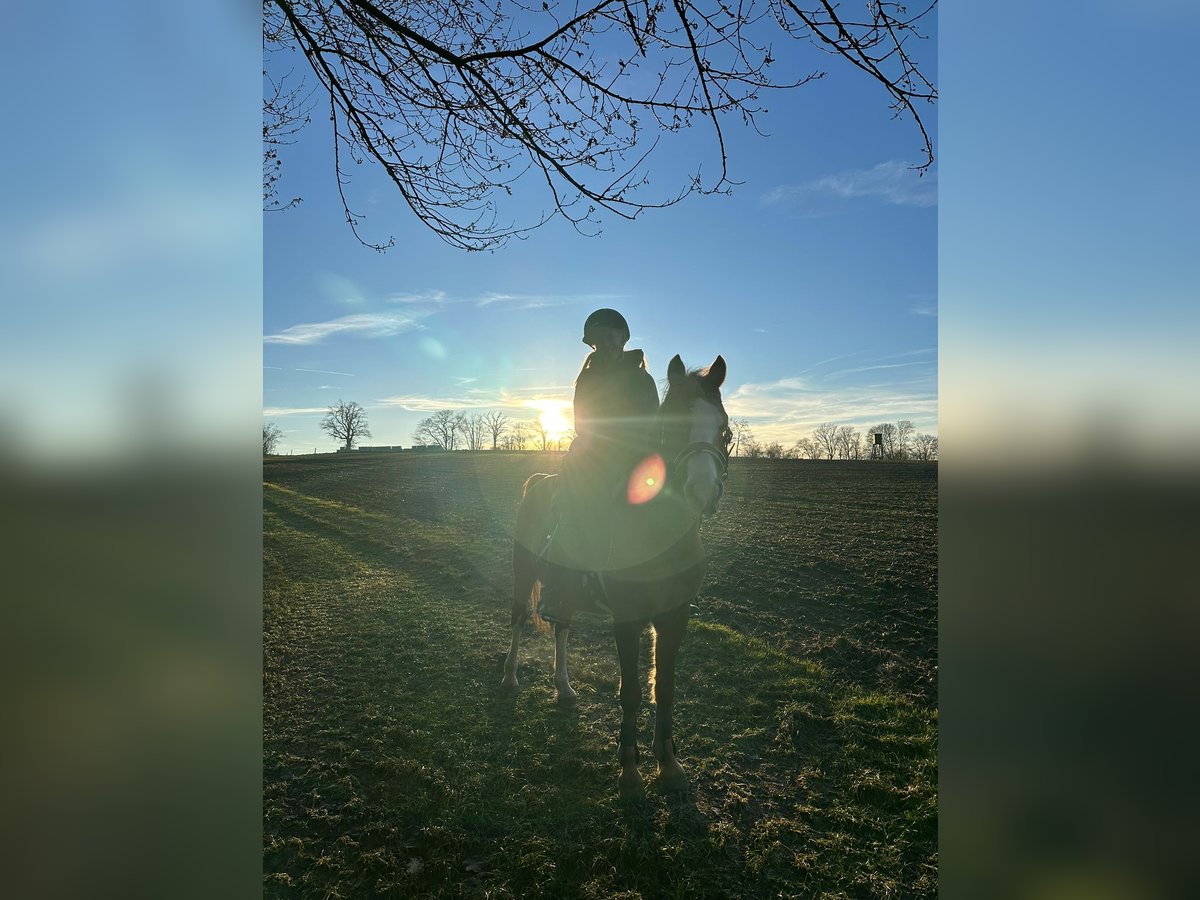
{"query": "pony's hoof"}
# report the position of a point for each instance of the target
(676, 783)
(629, 785)
(566, 696)
(509, 686)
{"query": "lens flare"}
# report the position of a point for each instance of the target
(647, 480)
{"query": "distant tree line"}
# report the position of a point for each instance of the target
(898, 441)
(460, 430)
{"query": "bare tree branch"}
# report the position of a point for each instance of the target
(459, 102)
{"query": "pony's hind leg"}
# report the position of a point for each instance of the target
(668, 636)
(628, 638)
(524, 579)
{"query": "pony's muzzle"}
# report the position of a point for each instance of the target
(703, 497)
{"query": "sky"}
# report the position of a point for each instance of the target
(816, 280)
(137, 268)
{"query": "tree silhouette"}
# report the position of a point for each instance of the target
(271, 438)
(456, 100)
(741, 434)
(539, 430)
(442, 429)
(925, 447)
(495, 422)
(346, 422)
(904, 435)
(473, 429)
(825, 436)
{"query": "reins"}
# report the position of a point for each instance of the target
(678, 464)
(702, 447)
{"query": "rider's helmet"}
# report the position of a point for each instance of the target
(604, 318)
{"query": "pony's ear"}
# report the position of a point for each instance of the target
(714, 377)
(675, 370)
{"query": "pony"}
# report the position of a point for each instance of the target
(648, 563)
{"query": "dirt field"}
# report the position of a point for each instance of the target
(807, 703)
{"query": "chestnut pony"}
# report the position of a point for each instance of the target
(645, 558)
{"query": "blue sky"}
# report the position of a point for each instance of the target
(816, 280)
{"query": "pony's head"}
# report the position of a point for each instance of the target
(695, 434)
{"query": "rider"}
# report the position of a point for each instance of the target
(616, 402)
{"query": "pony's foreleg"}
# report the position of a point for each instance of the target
(628, 638)
(562, 681)
(668, 636)
(524, 579)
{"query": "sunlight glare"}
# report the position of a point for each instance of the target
(553, 417)
(647, 480)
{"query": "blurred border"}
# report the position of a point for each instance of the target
(1069, 433)
(130, 476)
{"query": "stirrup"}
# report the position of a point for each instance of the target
(554, 618)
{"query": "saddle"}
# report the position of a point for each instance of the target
(613, 538)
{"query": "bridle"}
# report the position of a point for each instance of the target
(703, 448)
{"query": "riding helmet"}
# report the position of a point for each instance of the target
(604, 318)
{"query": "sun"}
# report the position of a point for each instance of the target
(552, 415)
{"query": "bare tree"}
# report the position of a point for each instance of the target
(538, 428)
(904, 433)
(855, 447)
(774, 450)
(844, 440)
(271, 437)
(521, 435)
(455, 102)
(752, 449)
(825, 437)
(346, 422)
(495, 423)
(807, 448)
(473, 430)
(442, 429)
(925, 447)
(741, 434)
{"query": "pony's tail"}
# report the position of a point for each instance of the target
(535, 596)
(524, 558)
(531, 481)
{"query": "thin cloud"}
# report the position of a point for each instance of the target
(892, 182)
(504, 399)
(413, 403)
(364, 325)
(435, 298)
(857, 369)
(927, 310)
(294, 410)
(538, 301)
(824, 362)
(325, 372)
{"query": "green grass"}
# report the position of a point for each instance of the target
(393, 765)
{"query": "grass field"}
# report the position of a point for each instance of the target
(806, 709)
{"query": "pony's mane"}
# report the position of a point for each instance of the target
(690, 387)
